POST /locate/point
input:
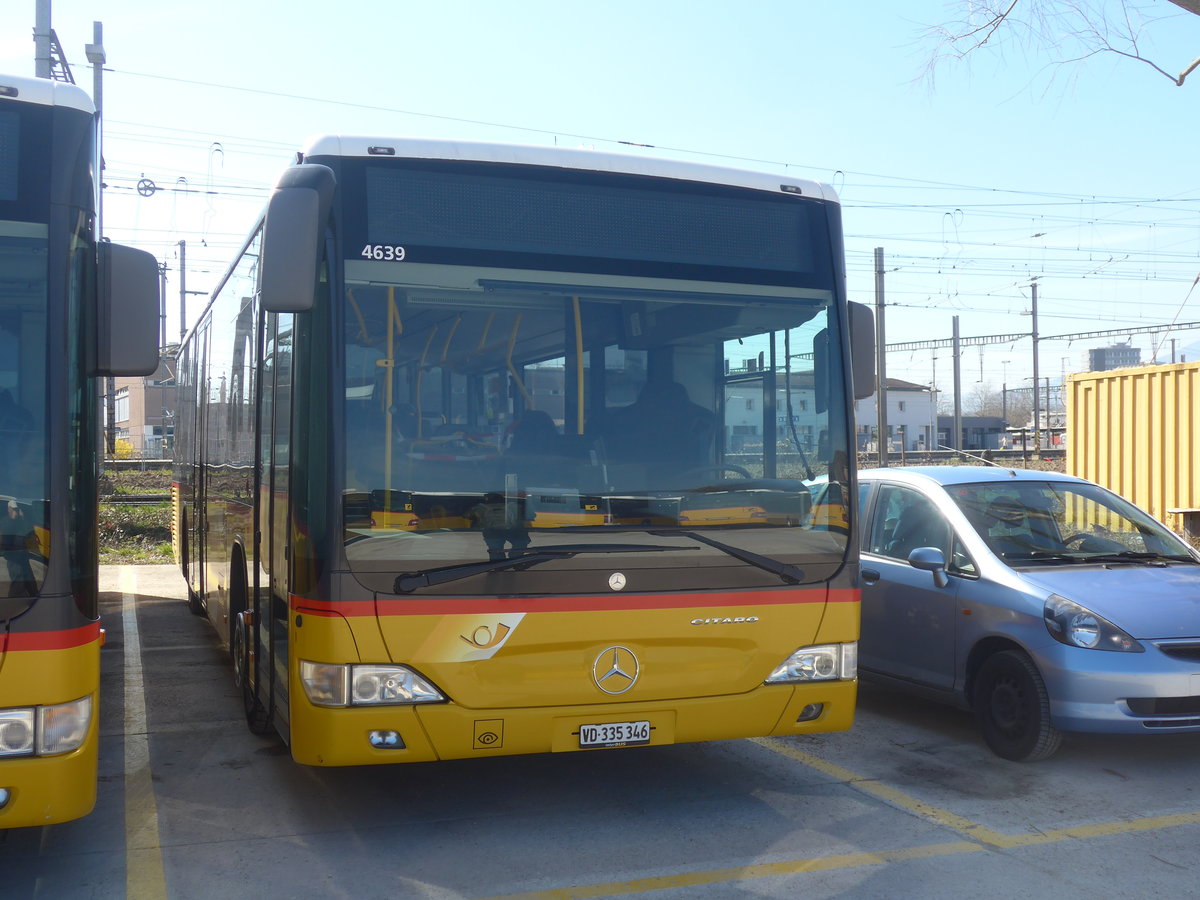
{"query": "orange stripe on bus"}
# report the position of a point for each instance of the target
(50, 640)
(432, 606)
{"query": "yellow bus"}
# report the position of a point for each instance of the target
(480, 450)
(59, 290)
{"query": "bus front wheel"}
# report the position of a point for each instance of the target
(258, 718)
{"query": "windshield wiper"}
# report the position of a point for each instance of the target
(411, 581)
(1131, 556)
(788, 573)
(1044, 556)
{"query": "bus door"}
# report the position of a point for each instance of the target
(199, 499)
(272, 574)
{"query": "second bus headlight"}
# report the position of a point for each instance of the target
(375, 685)
(826, 662)
(365, 685)
(63, 728)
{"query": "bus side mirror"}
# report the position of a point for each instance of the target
(291, 243)
(127, 311)
(862, 350)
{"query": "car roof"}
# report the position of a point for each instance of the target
(962, 474)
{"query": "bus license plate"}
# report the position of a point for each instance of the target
(614, 734)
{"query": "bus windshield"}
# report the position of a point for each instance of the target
(564, 382)
(23, 271)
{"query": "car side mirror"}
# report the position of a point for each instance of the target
(930, 559)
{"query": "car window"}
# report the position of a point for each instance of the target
(864, 503)
(1028, 520)
(961, 562)
(904, 520)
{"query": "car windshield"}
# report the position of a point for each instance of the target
(1057, 521)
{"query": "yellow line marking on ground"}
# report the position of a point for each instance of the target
(982, 839)
(145, 878)
(895, 797)
(745, 873)
(967, 827)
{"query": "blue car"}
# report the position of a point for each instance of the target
(1042, 602)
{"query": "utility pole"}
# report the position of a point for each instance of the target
(1047, 408)
(1036, 412)
(41, 39)
(162, 304)
(880, 362)
(958, 441)
(96, 56)
(182, 290)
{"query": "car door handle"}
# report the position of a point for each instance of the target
(870, 576)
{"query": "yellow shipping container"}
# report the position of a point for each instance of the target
(1137, 433)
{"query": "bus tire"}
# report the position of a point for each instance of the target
(258, 717)
(195, 606)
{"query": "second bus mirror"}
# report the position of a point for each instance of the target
(127, 314)
(290, 246)
(291, 243)
(862, 350)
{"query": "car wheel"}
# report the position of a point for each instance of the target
(1012, 708)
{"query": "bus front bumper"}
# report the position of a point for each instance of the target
(364, 735)
(47, 790)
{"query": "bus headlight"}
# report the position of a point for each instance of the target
(45, 730)
(63, 728)
(325, 684)
(376, 685)
(365, 685)
(16, 732)
(826, 662)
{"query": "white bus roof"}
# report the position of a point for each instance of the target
(45, 92)
(561, 157)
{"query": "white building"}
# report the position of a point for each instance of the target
(911, 417)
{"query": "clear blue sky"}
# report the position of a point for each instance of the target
(1083, 176)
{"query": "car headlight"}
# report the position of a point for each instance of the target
(365, 685)
(827, 662)
(1077, 626)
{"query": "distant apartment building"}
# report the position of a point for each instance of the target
(1118, 356)
(911, 418)
(144, 411)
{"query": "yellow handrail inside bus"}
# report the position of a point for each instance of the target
(578, 365)
(512, 340)
(420, 378)
(393, 317)
(449, 338)
(363, 334)
(487, 327)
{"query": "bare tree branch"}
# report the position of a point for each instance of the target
(1053, 24)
